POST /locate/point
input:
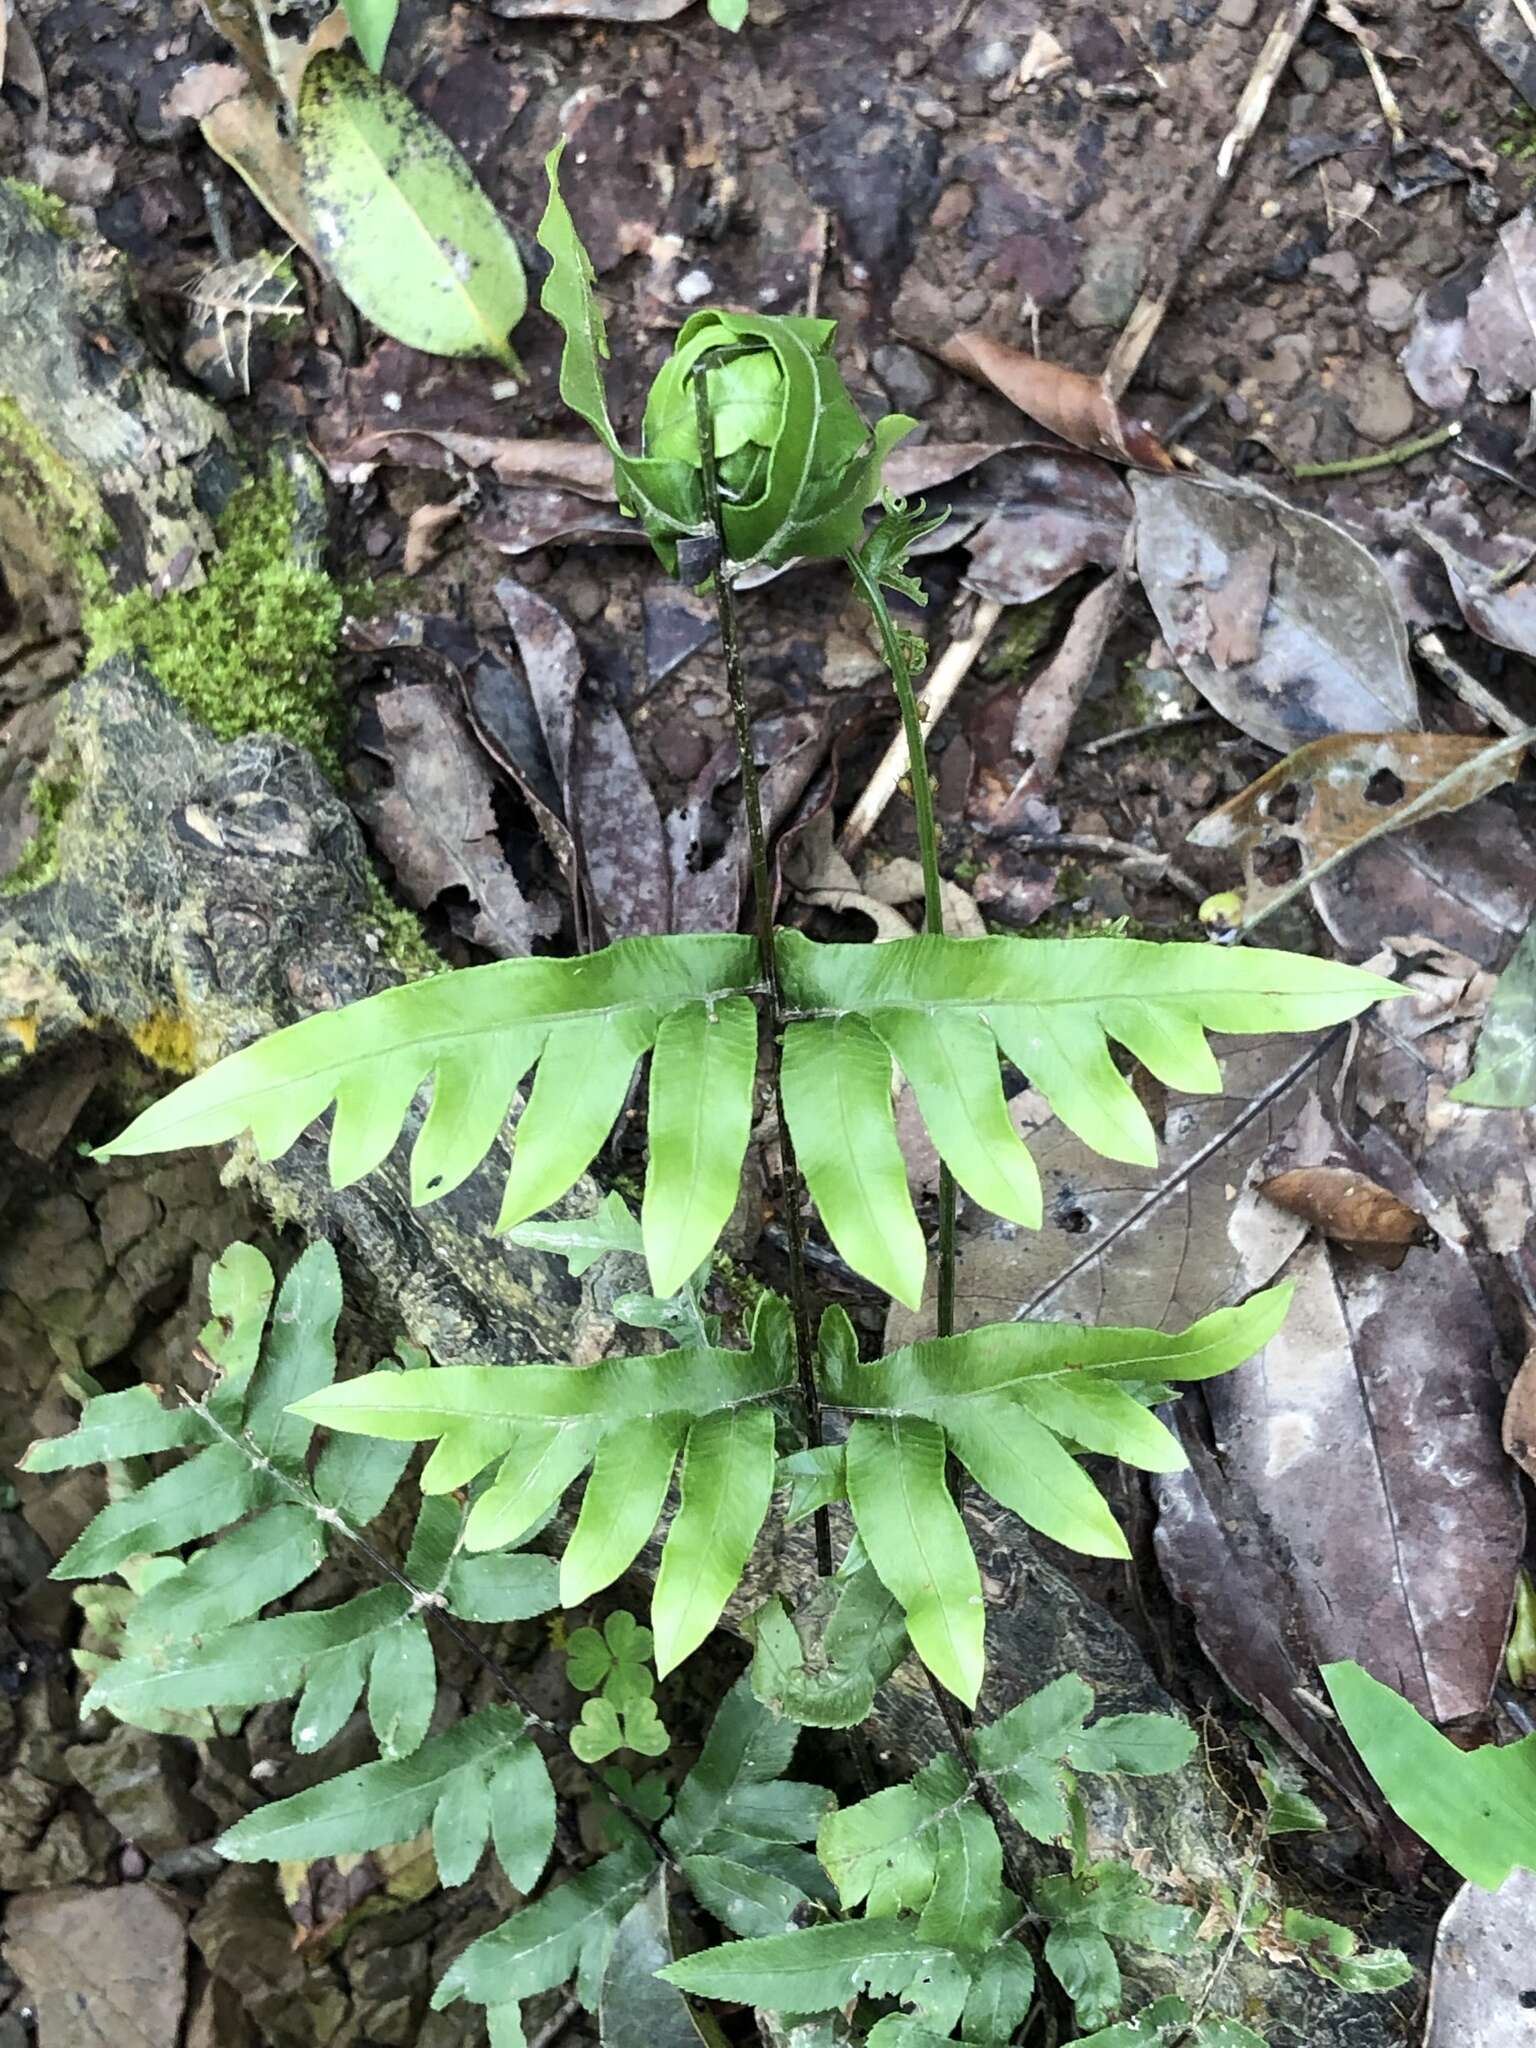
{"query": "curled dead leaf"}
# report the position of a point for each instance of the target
(1351, 1209)
(1520, 1417)
(1078, 407)
(1335, 793)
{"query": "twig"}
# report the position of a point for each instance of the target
(1148, 729)
(1383, 458)
(1140, 331)
(1427, 804)
(556, 2024)
(762, 891)
(1111, 849)
(1365, 41)
(954, 665)
(1463, 684)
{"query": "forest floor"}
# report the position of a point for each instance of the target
(1147, 643)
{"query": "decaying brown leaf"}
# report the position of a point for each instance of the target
(1520, 1417)
(1051, 701)
(244, 131)
(1489, 573)
(1328, 796)
(437, 826)
(1282, 621)
(1062, 512)
(1358, 1457)
(1350, 1209)
(1500, 342)
(1070, 403)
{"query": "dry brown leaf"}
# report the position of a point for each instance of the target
(424, 532)
(1520, 1417)
(200, 89)
(1500, 342)
(436, 823)
(1325, 797)
(1349, 1207)
(1070, 403)
(244, 131)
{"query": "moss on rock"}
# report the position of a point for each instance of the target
(252, 648)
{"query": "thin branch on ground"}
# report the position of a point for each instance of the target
(1461, 682)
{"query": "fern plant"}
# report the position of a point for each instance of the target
(913, 1916)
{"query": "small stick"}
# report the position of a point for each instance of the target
(1149, 729)
(1383, 458)
(1463, 684)
(955, 664)
(1365, 41)
(1110, 849)
(1140, 331)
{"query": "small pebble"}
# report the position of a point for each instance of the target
(935, 113)
(1380, 407)
(1389, 302)
(990, 61)
(1313, 71)
(698, 284)
(1340, 268)
(1237, 13)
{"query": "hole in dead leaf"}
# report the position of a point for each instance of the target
(1284, 804)
(1074, 1220)
(1528, 2001)
(1384, 788)
(1277, 863)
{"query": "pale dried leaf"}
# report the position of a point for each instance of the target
(1520, 1417)
(1332, 650)
(1500, 342)
(1480, 1992)
(244, 131)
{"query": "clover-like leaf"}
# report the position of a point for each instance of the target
(597, 1734)
(588, 1659)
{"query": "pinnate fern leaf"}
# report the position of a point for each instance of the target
(449, 1783)
(1010, 1401)
(632, 1416)
(944, 1009)
(578, 1025)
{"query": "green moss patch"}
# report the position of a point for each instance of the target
(252, 649)
(46, 208)
(40, 858)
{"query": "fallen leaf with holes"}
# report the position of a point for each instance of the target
(1350, 1209)
(1520, 1417)
(1331, 650)
(1504, 1074)
(437, 827)
(1325, 797)
(1072, 404)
